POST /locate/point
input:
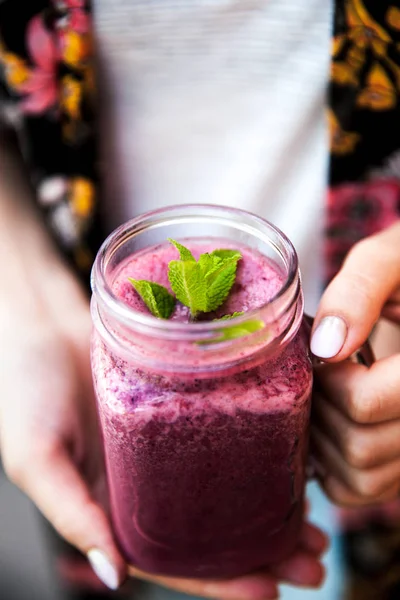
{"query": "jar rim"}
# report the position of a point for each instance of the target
(249, 222)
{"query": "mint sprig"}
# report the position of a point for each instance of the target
(203, 285)
(156, 297)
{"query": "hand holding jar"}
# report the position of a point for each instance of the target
(356, 432)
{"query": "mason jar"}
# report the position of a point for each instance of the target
(205, 433)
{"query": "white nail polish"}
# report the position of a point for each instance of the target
(103, 568)
(329, 337)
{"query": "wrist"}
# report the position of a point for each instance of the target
(37, 285)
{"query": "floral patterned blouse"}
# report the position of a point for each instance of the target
(48, 95)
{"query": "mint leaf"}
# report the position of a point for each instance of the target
(241, 330)
(187, 282)
(232, 316)
(203, 285)
(209, 263)
(184, 252)
(156, 297)
(226, 254)
(219, 283)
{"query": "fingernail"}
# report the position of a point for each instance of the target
(103, 568)
(329, 337)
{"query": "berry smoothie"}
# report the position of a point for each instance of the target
(206, 474)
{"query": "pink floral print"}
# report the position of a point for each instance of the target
(40, 87)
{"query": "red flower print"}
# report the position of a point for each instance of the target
(76, 18)
(40, 86)
(73, 25)
(357, 210)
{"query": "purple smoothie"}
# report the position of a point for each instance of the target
(206, 475)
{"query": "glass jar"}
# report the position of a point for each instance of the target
(205, 437)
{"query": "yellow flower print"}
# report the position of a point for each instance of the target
(356, 57)
(343, 74)
(364, 33)
(71, 96)
(380, 93)
(76, 48)
(364, 30)
(342, 142)
(81, 197)
(16, 70)
(393, 17)
(337, 44)
(366, 37)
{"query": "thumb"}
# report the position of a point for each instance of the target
(57, 488)
(354, 300)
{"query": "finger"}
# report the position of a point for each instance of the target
(307, 507)
(353, 301)
(313, 540)
(58, 490)
(365, 395)
(362, 446)
(391, 310)
(258, 586)
(385, 512)
(343, 496)
(301, 569)
(369, 484)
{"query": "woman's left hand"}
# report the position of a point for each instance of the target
(356, 411)
(303, 569)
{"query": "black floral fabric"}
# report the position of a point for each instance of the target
(364, 119)
(48, 96)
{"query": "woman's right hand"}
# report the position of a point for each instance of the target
(48, 427)
(49, 441)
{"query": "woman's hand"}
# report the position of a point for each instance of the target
(356, 420)
(48, 430)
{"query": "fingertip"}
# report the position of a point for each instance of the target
(314, 539)
(302, 570)
(108, 566)
(104, 551)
